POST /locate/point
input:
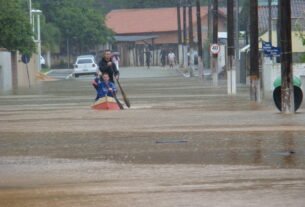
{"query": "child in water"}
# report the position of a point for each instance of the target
(103, 86)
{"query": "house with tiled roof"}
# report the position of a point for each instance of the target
(297, 12)
(134, 29)
(297, 23)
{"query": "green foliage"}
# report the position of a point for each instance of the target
(83, 27)
(302, 58)
(76, 21)
(50, 35)
(117, 4)
(15, 29)
(301, 35)
(244, 19)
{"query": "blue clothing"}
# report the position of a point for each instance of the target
(102, 88)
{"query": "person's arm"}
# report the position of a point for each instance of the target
(95, 83)
(114, 89)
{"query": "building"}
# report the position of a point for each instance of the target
(297, 24)
(153, 28)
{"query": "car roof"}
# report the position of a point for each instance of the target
(85, 56)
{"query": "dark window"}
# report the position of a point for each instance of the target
(84, 61)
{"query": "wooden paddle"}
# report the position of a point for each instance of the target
(115, 97)
(118, 102)
(126, 100)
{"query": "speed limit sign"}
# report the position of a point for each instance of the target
(215, 48)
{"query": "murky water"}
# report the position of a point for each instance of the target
(275, 149)
(182, 143)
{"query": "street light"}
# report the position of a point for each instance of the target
(37, 13)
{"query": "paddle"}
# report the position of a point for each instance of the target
(126, 100)
(117, 100)
(115, 97)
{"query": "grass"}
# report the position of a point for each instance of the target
(45, 69)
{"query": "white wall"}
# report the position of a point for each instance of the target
(272, 71)
(5, 71)
(221, 58)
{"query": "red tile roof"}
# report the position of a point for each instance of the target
(133, 21)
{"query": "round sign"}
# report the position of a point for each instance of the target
(25, 59)
(215, 49)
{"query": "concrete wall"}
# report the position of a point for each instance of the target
(14, 73)
(5, 71)
(272, 71)
(297, 46)
(22, 76)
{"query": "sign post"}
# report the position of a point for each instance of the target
(26, 59)
(270, 51)
(215, 49)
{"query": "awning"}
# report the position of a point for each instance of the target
(134, 38)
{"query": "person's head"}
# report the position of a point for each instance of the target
(105, 77)
(107, 55)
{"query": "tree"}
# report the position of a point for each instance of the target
(84, 27)
(15, 30)
(244, 16)
(79, 22)
(119, 4)
(300, 28)
(51, 36)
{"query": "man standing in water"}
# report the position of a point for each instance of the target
(107, 66)
(148, 57)
(171, 59)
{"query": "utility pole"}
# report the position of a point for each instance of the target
(215, 41)
(210, 20)
(191, 38)
(254, 55)
(179, 23)
(199, 38)
(184, 25)
(185, 63)
(231, 73)
(278, 24)
(237, 56)
(199, 32)
(270, 20)
(287, 90)
(209, 35)
(191, 34)
(180, 51)
(37, 40)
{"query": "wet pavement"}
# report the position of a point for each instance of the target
(182, 143)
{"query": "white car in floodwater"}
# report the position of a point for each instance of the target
(85, 65)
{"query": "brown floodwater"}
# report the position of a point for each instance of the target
(182, 143)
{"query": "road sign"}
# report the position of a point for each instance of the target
(215, 49)
(25, 59)
(267, 46)
(270, 50)
(275, 51)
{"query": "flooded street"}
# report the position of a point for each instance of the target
(182, 143)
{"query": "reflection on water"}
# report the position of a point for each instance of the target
(258, 157)
(289, 145)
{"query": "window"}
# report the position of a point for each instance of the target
(84, 61)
